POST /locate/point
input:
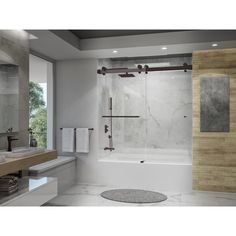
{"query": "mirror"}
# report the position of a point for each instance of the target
(9, 97)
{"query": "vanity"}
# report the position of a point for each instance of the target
(22, 159)
(14, 124)
(32, 191)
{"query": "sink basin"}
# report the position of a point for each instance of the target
(22, 152)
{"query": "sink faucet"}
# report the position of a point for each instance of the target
(10, 138)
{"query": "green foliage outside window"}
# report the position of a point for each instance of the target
(38, 113)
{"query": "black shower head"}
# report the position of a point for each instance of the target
(126, 75)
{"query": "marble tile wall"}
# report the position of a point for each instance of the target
(14, 46)
(163, 100)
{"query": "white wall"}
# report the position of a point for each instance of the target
(77, 106)
(50, 106)
(76, 98)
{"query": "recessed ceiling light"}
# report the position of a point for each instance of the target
(115, 51)
(164, 48)
(214, 45)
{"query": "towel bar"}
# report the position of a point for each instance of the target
(76, 128)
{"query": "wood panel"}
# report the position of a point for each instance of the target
(12, 165)
(214, 154)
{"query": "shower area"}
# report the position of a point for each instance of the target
(145, 121)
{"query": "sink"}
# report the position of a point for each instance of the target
(22, 152)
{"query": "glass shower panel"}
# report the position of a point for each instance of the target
(169, 110)
(104, 85)
(128, 99)
(163, 102)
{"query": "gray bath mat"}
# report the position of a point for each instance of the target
(133, 196)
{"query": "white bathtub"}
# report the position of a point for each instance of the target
(148, 156)
(164, 170)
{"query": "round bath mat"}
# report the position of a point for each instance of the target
(133, 196)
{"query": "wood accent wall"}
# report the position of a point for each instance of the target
(214, 153)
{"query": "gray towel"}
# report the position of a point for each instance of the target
(8, 180)
(8, 189)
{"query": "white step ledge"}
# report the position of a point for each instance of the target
(61, 160)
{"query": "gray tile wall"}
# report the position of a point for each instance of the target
(14, 46)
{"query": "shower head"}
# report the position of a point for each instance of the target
(126, 75)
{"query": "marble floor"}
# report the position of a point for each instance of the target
(89, 195)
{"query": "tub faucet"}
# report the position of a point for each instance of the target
(110, 148)
(10, 138)
(106, 128)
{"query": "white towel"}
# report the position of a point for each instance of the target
(68, 140)
(82, 140)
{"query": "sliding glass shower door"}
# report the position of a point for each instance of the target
(156, 110)
(126, 96)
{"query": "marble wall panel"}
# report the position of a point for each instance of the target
(163, 100)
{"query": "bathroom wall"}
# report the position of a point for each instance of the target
(214, 153)
(14, 47)
(76, 98)
(77, 106)
(163, 100)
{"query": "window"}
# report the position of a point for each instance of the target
(41, 101)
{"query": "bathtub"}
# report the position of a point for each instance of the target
(160, 169)
(148, 156)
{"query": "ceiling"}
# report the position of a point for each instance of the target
(88, 34)
(65, 45)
